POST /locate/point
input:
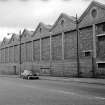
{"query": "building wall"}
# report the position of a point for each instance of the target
(6, 55)
(101, 47)
(100, 28)
(29, 51)
(54, 51)
(8, 69)
(57, 66)
(86, 39)
(45, 48)
(89, 20)
(36, 51)
(100, 41)
(23, 53)
(16, 54)
(70, 45)
(11, 54)
(57, 47)
(2, 55)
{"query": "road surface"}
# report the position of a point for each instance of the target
(15, 91)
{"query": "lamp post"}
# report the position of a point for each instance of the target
(14, 66)
(78, 62)
(94, 68)
(20, 52)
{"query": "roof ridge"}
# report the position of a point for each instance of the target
(64, 15)
(70, 17)
(93, 2)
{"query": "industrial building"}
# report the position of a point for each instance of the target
(70, 47)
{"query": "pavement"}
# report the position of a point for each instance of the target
(16, 91)
(66, 79)
(81, 80)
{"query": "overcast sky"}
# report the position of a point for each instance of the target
(19, 14)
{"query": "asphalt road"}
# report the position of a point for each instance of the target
(45, 92)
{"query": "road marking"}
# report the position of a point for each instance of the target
(72, 93)
(67, 92)
(80, 95)
(102, 98)
(59, 91)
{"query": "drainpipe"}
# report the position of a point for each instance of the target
(78, 61)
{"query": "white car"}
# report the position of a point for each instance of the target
(27, 74)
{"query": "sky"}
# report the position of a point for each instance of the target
(16, 15)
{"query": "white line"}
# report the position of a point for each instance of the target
(89, 97)
(80, 95)
(66, 92)
(102, 98)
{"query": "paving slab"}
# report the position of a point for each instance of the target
(81, 80)
(66, 79)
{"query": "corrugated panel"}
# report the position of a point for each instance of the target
(29, 51)
(7, 55)
(11, 54)
(36, 50)
(57, 47)
(16, 54)
(70, 45)
(23, 53)
(46, 48)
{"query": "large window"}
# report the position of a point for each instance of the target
(36, 50)
(100, 29)
(45, 48)
(57, 47)
(94, 12)
(101, 65)
(87, 53)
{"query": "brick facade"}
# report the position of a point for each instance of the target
(52, 50)
(36, 50)
(57, 47)
(46, 48)
(70, 47)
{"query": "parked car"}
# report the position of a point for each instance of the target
(28, 74)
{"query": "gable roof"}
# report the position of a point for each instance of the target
(0, 42)
(37, 28)
(71, 18)
(5, 41)
(93, 3)
(13, 37)
(26, 33)
(48, 27)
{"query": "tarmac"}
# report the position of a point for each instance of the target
(66, 79)
(81, 80)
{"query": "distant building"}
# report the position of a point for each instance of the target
(52, 50)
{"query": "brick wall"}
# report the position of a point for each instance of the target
(86, 67)
(23, 53)
(6, 55)
(59, 66)
(7, 69)
(3, 55)
(100, 28)
(36, 51)
(86, 39)
(16, 54)
(11, 54)
(46, 48)
(70, 46)
(57, 47)
(29, 51)
(101, 47)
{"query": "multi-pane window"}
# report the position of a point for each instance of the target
(101, 65)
